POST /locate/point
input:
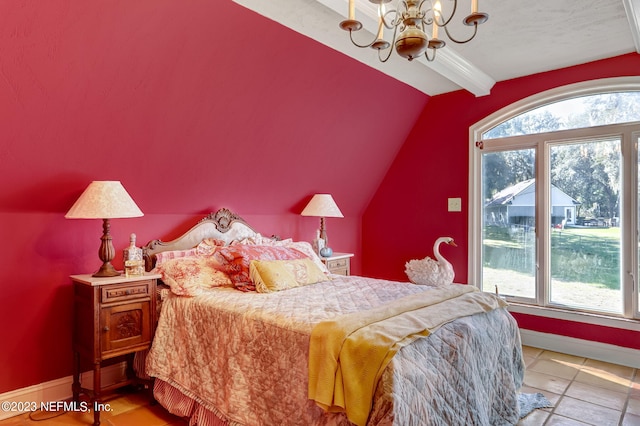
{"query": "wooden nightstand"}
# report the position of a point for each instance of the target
(113, 317)
(338, 263)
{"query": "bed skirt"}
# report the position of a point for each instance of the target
(179, 404)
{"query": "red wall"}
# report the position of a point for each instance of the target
(193, 105)
(409, 210)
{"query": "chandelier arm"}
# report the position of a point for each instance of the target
(361, 45)
(453, 13)
(390, 48)
(475, 31)
(401, 11)
(392, 22)
(426, 55)
(385, 59)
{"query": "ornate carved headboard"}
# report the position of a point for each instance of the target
(222, 225)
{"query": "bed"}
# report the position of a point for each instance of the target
(255, 355)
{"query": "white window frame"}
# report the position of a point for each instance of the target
(629, 251)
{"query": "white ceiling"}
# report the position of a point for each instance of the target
(521, 37)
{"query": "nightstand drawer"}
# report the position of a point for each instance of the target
(116, 293)
(340, 271)
(337, 263)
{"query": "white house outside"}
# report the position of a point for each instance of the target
(515, 205)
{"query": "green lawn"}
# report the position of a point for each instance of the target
(586, 255)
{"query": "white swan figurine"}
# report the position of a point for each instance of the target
(427, 271)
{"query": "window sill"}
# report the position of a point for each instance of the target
(581, 317)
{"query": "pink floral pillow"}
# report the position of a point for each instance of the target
(236, 260)
(165, 256)
(260, 240)
(190, 276)
(208, 246)
(302, 246)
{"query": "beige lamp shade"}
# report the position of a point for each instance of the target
(322, 205)
(104, 200)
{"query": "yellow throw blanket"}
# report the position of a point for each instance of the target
(347, 355)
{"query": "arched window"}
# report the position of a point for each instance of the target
(554, 195)
(573, 113)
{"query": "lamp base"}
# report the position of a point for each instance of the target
(106, 253)
(326, 252)
(107, 270)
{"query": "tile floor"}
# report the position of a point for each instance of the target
(583, 391)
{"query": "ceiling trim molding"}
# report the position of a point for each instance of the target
(459, 70)
(632, 8)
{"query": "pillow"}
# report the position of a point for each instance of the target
(277, 275)
(175, 254)
(235, 261)
(260, 240)
(189, 276)
(306, 248)
(301, 246)
(208, 246)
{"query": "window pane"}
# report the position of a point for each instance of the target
(585, 239)
(508, 237)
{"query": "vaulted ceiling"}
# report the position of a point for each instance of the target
(520, 38)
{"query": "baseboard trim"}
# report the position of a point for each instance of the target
(584, 348)
(60, 389)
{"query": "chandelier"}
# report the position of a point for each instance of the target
(409, 21)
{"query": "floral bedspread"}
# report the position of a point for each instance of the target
(244, 356)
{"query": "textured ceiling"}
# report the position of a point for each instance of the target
(520, 38)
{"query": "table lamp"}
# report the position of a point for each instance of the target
(322, 205)
(104, 200)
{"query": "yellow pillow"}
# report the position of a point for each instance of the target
(276, 275)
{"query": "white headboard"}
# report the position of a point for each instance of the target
(222, 225)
